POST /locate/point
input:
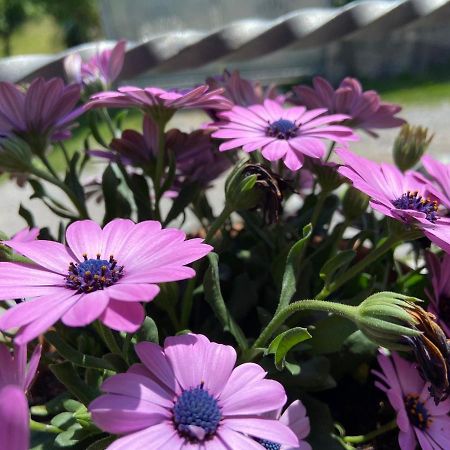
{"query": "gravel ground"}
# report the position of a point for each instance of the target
(436, 117)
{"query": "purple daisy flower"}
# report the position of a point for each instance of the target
(101, 274)
(189, 395)
(402, 196)
(287, 134)
(418, 417)
(365, 108)
(43, 113)
(439, 295)
(104, 67)
(15, 379)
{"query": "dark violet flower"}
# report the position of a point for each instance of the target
(101, 274)
(104, 67)
(43, 113)
(365, 108)
(15, 379)
(244, 92)
(190, 395)
(418, 417)
(402, 196)
(287, 134)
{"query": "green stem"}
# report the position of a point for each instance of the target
(387, 244)
(392, 425)
(65, 153)
(38, 426)
(330, 151)
(318, 208)
(109, 122)
(49, 167)
(217, 224)
(347, 311)
(159, 170)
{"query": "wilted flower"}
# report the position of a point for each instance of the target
(410, 145)
(287, 134)
(243, 92)
(402, 196)
(15, 380)
(418, 418)
(189, 394)
(103, 68)
(365, 109)
(43, 113)
(101, 274)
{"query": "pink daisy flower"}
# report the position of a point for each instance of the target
(287, 134)
(418, 417)
(296, 419)
(15, 380)
(440, 175)
(439, 295)
(100, 274)
(365, 109)
(189, 395)
(104, 67)
(402, 196)
(26, 235)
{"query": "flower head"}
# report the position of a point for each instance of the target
(101, 274)
(104, 67)
(440, 176)
(43, 113)
(364, 108)
(287, 134)
(418, 417)
(189, 395)
(402, 196)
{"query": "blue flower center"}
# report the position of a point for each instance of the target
(196, 414)
(269, 444)
(93, 274)
(412, 200)
(282, 129)
(417, 413)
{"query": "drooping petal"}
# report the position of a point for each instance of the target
(123, 316)
(87, 309)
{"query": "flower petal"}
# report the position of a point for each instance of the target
(87, 309)
(123, 316)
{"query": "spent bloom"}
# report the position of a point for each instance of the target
(15, 379)
(100, 274)
(287, 134)
(364, 108)
(42, 113)
(189, 394)
(104, 67)
(418, 417)
(402, 196)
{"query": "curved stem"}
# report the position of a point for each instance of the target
(159, 170)
(318, 208)
(108, 338)
(49, 167)
(217, 224)
(392, 425)
(38, 426)
(347, 311)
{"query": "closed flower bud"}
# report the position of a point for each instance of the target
(410, 145)
(354, 203)
(15, 155)
(326, 172)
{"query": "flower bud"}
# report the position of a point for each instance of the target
(15, 155)
(326, 172)
(410, 145)
(354, 203)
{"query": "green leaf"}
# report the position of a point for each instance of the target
(289, 283)
(102, 444)
(213, 296)
(187, 195)
(42, 441)
(148, 331)
(336, 265)
(27, 215)
(72, 436)
(116, 205)
(72, 179)
(285, 342)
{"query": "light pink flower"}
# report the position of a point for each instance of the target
(402, 196)
(101, 274)
(287, 134)
(104, 67)
(26, 235)
(418, 417)
(365, 109)
(15, 379)
(189, 395)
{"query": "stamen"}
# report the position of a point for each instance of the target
(412, 200)
(417, 413)
(282, 129)
(269, 445)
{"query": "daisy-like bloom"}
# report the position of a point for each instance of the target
(243, 92)
(104, 67)
(287, 134)
(418, 417)
(189, 395)
(365, 108)
(159, 103)
(15, 380)
(43, 113)
(439, 295)
(296, 419)
(101, 274)
(402, 196)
